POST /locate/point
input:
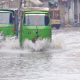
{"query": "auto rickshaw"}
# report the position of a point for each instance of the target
(36, 25)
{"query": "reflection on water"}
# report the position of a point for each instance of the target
(24, 65)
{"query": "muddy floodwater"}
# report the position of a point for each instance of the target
(59, 62)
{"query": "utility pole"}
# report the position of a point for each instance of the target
(62, 12)
(78, 10)
(20, 22)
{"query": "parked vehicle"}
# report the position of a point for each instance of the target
(55, 18)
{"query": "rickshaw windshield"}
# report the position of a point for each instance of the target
(5, 18)
(36, 20)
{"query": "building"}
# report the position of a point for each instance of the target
(9, 3)
(15, 3)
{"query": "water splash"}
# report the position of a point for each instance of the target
(10, 43)
(39, 45)
(57, 41)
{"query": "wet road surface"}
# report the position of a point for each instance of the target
(53, 64)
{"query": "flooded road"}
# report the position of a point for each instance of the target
(60, 62)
